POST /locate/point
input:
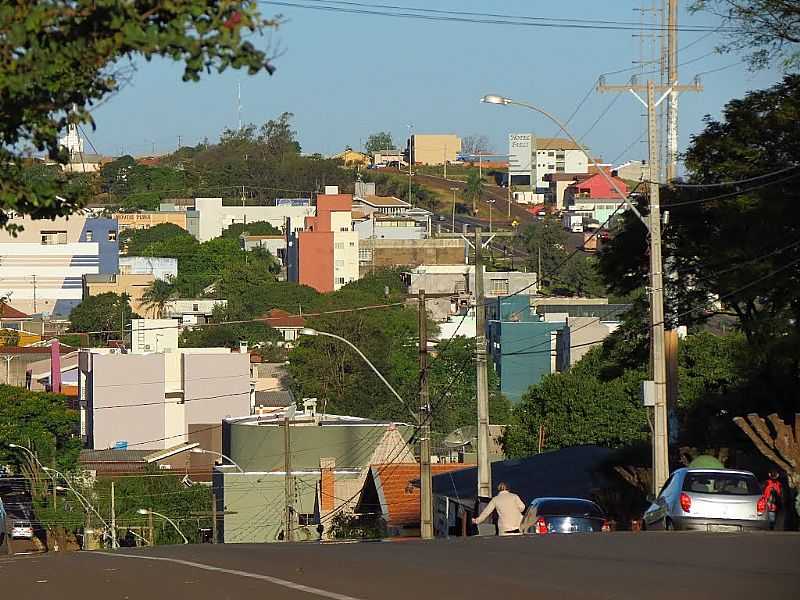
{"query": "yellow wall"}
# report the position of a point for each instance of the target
(145, 220)
(133, 285)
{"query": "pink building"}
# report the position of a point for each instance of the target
(327, 253)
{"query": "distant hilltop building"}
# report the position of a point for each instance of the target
(72, 142)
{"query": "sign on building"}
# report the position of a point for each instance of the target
(521, 152)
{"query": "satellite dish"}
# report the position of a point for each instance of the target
(463, 436)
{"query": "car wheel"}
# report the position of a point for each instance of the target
(669, 525)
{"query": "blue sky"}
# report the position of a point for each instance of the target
(345, 76)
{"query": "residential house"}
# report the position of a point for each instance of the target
(390, 226)
(558, 184)
(353, 158)
(595, 198)
(116, 462)
(457, 279)
(163, 269)
(17, 361)
(151, 401)
(392, 496)
(387, 205)
(521, 343)
(43, 266)
(18, 328)
(326, 255)
(192, 311)
(387, 156)
(274, 244)
(578, 336)
(287, 324)
(433, 149)
(331, 456)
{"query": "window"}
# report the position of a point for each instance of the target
(340, 281)
(560, 168)
(364, 255)
(339, 245)
(551, 154)
(112, 235)
(352, 244)
(50, 238)
(723, 484)
(339, 264)
(344, 229)
(499, 287)
(196, 307)
(89, 236)
(305, 519)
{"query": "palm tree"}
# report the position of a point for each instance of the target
(474, 189)
(158, 296)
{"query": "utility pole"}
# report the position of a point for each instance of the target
(672, 79)
(179, 142)
(34, 294)
(653, 223)
(453, 226)
(484, 469)
(113, 519)
(426, 483)
(53, 481)
(288, 534)
(151, 528)
(213, 518)
(410, 158)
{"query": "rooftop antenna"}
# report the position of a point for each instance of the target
(239, 104)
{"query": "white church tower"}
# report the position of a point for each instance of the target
(72, 141)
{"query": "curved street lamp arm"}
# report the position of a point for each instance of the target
(583, 149)
(166, 518)
(80, 496)
(224, 457)
(378, 373)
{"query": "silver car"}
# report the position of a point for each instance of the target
(563, 515)
(708, 500)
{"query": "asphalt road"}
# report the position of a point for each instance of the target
(625, 565)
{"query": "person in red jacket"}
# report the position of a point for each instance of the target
(773, 494)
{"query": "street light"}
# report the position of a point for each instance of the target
(81, 498)
(313, 332)
(454, 190)
(220, 454)
(41, 466)
(144, 511)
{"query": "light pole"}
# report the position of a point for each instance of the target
(410, 157)
(454, 190)
(657, 338)
(41, 466)
(144, 511)
(220, 454)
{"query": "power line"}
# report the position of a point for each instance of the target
(426, 14)
(733, 182)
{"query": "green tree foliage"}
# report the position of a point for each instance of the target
(143, 187)
(158, 295)
(42, 422)
(255, 228)
(102, 313)
(379, 141)
(578, 407)
(388, 184)
(768, 29)
(135, 241)
(474, 190)
(49, 81)
(737, 244)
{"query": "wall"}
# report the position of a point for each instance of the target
(405, 229)
(216, 386)
(160, 268)
(134, 285)
(145, 220)
(154, 335)
(315, 262)
(345, 258)
(214, 217)
(413, 253)
(435, 149)
(135, 384)
(580, 335)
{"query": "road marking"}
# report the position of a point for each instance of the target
(276, 580)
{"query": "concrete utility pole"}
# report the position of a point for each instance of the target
(113, 519)
(657, 348)
(672, 79)
(426, 483)
(288, 533)
(151, 527)
(410, 159)
(213, 518)
(484, 469)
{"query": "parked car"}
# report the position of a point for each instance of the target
(563, 515)
(709, 500)
(21, 529)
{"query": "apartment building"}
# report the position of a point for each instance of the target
(433, 149)
(42, 266)
(214, 218)
(531, 158)
(326, 255)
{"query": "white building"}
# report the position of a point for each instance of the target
(150, 401)
(42, 266)
(154, 335)
(192, 311)
(214, 218)
(531, 158)
(160, 268)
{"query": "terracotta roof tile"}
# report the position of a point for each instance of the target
(401, 494)
(280, 318)
(9, 312)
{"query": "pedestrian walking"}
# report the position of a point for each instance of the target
(773, 494)
(509, 508)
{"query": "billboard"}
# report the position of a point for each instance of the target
(292, 202)
(521, 152)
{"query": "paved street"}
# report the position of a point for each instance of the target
(625, 565)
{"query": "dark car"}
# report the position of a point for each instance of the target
(564, 515)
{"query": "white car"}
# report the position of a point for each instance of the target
(21, 530)
(709, 500)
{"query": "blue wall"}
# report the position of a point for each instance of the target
(109, 248)
(519, 343)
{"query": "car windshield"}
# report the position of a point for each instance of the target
(568, 508)
(724, 484)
